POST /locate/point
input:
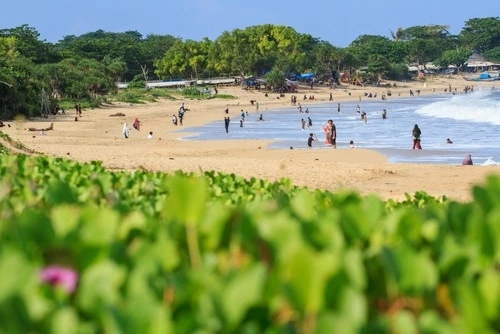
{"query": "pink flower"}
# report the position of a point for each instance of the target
(60, 276)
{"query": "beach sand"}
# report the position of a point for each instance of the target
(97, 136)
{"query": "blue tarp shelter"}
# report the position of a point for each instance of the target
(484, 76)
(306, 76)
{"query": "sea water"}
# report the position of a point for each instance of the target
(471, 121)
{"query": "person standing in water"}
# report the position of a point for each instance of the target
(333, 134)
(310, 140)
(226, 124)
(416, 133)
(338, 108)
(326, 130)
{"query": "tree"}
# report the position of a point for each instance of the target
(431, 31)
(457, 57)
(399, 35)
(185, 58)
(324, 58)
(422, 51)
(481, 34)
(493, 54)
(378, 65)
(29, 45)
(116, 69)
(366, 46)
(427, 43)
(275, 78)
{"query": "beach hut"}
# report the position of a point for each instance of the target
(479, 63)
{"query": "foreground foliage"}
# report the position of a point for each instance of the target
(181, 253)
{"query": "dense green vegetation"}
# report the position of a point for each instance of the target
(84, 68)
(158, 253)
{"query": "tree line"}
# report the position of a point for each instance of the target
(86, 67)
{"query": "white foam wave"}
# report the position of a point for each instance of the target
(480, 106)
(491, 162)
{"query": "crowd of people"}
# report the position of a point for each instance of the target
(329, 129)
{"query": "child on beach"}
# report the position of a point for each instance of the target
(310, 140)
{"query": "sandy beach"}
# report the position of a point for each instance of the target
(97, 136)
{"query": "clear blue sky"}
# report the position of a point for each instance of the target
(338, 22)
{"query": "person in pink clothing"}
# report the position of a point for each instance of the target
(326, 130)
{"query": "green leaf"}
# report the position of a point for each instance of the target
(98, 226)
(64, 321)
(241, 292)
(307, 273)
(187, 199)
(16, 273)
(100, 286)
(64, 219)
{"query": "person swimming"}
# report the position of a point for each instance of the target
(448, 141)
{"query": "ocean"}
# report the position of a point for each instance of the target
(471, 121)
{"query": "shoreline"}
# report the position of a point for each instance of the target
(97, 136)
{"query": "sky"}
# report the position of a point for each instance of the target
(338, 22)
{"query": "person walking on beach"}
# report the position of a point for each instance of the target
(333, 134)
(226, 124)
(174, 120)
(416, 133)
(181, 117)
(126, 131)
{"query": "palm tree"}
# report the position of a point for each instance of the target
(398, 35)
